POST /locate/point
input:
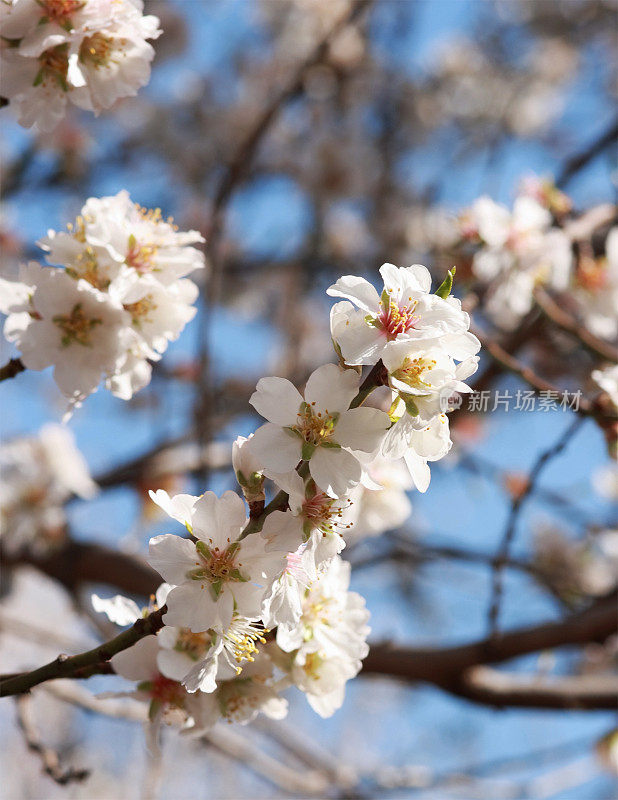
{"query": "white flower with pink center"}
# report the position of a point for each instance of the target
(112, 233)
(315, 518)
(405, 310)
(518, 251)
(319, 428)
(132, 264)
(168, 700)
(218, 575)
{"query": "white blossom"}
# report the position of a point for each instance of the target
(417, 447)
(168, 700)
(320, 429)
(518, 251)
(283, 604)
(118, 301)
(112, 232)
(242, 698)
(314, 518)
(424, 376)
(405, 310)
(72, 327)
(385, 508)
(218, 575)
(200, 660)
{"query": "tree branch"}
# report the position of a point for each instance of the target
(491, 687)
(590, 152)
(12, 368)
(511, 364)
(84, 665)
(516, 506)
(77, 563)
(448, 668)
(567, 323)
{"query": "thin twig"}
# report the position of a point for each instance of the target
(511, 525)
(241, 750)
(49, 758)
(567, 323)
(578, 161)
(511, 364)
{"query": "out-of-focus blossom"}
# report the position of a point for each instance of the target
(595, 286)
(86, 52)
(39, 474)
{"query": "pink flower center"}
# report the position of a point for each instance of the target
(320, 511)
(141, 257)
(60, 10)
(395, 318)
(166, 691)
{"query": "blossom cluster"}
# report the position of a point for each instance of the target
(117, 300)
(86, 52)
(257, 596)
(517, 250)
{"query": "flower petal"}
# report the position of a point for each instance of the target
(138, 663)
(358, 290)
(278, 449)
(277, 400)
(178, 507)
(334, 471)
(119, 609)
(172, 556)
(191, 606)
(218, 520)
(362, 429)
(331, 388)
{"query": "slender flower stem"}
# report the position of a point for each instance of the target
(378, 376)
(11, 369)
(278, 503)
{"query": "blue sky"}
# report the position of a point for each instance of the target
(269, 217)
